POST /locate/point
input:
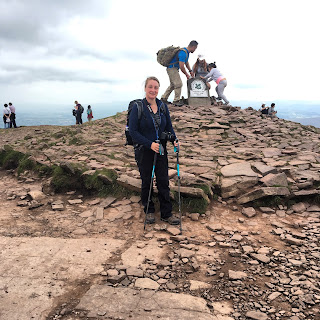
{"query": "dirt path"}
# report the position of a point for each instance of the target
(54, 263)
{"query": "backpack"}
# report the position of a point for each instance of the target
(81, 108)
(165, 55)
(139, 104)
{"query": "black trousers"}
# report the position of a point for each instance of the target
(79, 119)
(144, 158)
(13, 120)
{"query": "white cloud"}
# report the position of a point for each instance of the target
(103, 50)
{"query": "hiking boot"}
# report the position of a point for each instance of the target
(173, 220)
(178, 103)
(150, 218)
(164, 100)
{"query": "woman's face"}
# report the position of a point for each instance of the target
(152, 89)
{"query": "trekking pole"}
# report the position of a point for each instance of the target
(176, 150)
(150, 190)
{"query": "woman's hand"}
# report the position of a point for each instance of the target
(155, 147)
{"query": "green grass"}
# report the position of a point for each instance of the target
(189, 204)
(271, 201)
(9, 159)
(75, 141)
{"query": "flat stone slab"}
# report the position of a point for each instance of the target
(263, 192)
(144, 304)
(146, 283)
(129, 182)
(238, 169)
(35, 271)
(135, 257)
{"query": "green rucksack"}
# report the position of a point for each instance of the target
(165, 55)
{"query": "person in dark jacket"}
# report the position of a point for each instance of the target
(155, 120)
(78, 112)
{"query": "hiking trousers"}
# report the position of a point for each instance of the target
(144, 158)
(13, 120)
(220, 88)
(175, 84)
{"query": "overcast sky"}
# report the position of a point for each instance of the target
(58, 51)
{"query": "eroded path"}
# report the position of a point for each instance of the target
(70, 256)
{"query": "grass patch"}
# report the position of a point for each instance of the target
(63, 180)
(9, 159)
(191, 205)
(104, 187)
(271, 201)
(75, 141)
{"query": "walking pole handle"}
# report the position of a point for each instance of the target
(176, 148)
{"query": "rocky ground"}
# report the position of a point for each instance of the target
(252, 253)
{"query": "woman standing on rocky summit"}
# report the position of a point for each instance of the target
(145, 132)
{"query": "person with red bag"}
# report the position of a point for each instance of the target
(89, 113)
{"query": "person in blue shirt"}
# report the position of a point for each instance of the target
(155, 120)
(179, 61)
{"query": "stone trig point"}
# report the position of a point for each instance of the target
(198, 93)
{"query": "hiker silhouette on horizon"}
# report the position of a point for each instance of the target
(78, 112)
(12, 116)
(6, 116)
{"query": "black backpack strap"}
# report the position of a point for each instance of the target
(140, 108)
(163, 108)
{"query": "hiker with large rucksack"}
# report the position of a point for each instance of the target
(77, 112)
(149, 129)
(175, 58)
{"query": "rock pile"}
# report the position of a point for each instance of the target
(227, 151)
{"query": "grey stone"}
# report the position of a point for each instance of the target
(237, 275)
(99, 213)
(238, 169)
(256, 315)
(299, 207)
(263, 192)
(263, 168)
(267, 210)
(277, 180)
(146, 283)
(197, 285)
(260, 257)
(129, 182)
(135, 272)
(274, 296)
(75, 201)
(249, 212)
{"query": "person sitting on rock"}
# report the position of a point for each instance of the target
(264, 109)
(271, 112)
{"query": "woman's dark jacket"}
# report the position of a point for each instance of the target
(143, 131)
